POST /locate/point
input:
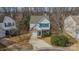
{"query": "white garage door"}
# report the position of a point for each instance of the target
(2, 33)
(77, 35)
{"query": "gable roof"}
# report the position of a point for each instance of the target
(36, 19)
(7, 17)
(2, 18)
(76, 18)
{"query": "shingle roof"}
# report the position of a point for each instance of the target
(76, 18)
(36, 19)
(4, 17)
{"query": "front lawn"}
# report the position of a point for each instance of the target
(20, 42)
(47, 39)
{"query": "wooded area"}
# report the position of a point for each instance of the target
(56, 14)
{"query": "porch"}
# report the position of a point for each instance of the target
(42, 33)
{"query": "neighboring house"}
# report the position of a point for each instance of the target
(39, 25)
(7, 24)
(71, 26)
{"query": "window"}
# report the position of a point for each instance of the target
(13, 24)
(6, 24)
(43, 25)
(9, 24)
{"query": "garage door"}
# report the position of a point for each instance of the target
(77, 35)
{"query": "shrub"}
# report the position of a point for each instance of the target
(13, 32)
(46, 34)
(60, 40)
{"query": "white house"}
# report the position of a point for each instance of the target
(6, 24)
(39, 25)
(9, 23)
(71, 26)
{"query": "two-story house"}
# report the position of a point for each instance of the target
(6, 25)
(71, 26)
(39, 25)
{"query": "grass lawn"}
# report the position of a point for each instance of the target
(21, 42)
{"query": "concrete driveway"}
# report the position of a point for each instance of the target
(41, 45)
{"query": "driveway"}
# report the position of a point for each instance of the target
(41, 45)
